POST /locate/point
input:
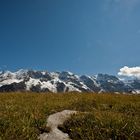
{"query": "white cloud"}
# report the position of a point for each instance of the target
(130, 72)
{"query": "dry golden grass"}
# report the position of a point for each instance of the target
(23, 115)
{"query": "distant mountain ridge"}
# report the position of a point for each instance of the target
(43, 81)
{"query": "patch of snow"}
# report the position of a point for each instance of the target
(21, 71)
(101, 91)
(54, 74)
(32, 82)
(57, 80)
(71, 87)
(48, 85)
(10, 81)
(70, 73)
(136, 92)
(43, 72)
(76, 76)
(8, 74)
(83, 85)
(93, 78)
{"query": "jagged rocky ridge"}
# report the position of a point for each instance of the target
(43, 81)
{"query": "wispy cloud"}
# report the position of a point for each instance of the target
(130, 72)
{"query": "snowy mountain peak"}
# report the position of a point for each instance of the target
(65, 81)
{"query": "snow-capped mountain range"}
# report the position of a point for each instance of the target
(43, 81)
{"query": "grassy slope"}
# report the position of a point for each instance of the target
(23, 115)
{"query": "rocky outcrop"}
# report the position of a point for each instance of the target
(53, 122)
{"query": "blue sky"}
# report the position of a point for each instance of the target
(82, 36)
